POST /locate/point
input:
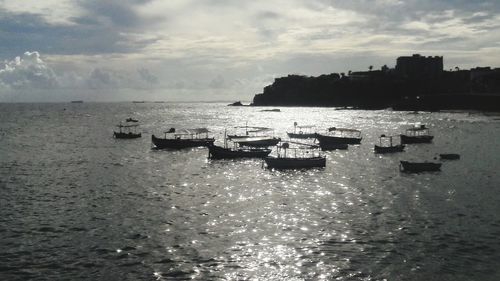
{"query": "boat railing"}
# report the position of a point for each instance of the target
(344, 132)
(303, 151)
(384, 140)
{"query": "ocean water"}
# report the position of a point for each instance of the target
(77, 204)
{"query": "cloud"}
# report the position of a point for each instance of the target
(208, 45)
(146, 75)
(27, 71)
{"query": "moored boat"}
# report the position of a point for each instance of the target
(295, 158)
(338, 136)
(183, 138)
(418, 134)
(302, 132)
(387, 145)
(257, 141)
(415, 167)
(219, 152)
(127, 132)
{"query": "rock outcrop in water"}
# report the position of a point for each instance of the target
(417, 83)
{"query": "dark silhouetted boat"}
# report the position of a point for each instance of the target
(295, 158)
(302, 132)
(219, 152)
(127, 132)
(271, 110)
(131, 120)
(449, 156)
(76, 101)
(257, 141)
(254, 137)
(415, 167)
(337, 138)
(418, 134)
(387, 145)
(184, 138)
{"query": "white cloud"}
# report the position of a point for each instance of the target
(27, 71)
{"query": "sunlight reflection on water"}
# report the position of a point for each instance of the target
(121, 209)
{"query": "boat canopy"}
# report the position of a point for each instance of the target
(255, 129)
(195, 131)
(343, 130)
(306, 126)
(250, 139)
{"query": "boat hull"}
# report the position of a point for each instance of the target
(121, 135)
(416, 167)
(260, 142)
(301, 135)
(333, 146)
(325, 140)
(389, 149)
(295, 163)
(180, 143)
(449, 156)
(217, 152)
(416, 139)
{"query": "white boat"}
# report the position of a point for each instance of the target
(296, 158)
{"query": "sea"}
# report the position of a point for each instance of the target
(78, 204)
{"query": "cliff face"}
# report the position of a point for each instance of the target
(376, 90)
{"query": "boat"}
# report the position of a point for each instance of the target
(257, 141)
(449, 156)
(254, 137)
(250, 131)
(184, 138)
(391, 148)
(219, 152)
(76, 101)
(418, 134)
(415, 167)
(131, 120)
(302, 132)
(336, 136)
(271, 110)
(295, 158)
(127, 132)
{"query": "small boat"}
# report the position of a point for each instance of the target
(295, 158)
(391, 148)
(257, 141)
(76, 101)
(418, 134)
(250, 131)
(131, 120)
(183, 139)
(302, 132)
(449, 156)
(127, 132)
(219, 152)
(255, 137)
(338, 136)
(271, 110)
(416, 167)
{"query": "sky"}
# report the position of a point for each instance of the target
(222, 50)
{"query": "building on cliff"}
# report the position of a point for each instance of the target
(418, 66)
